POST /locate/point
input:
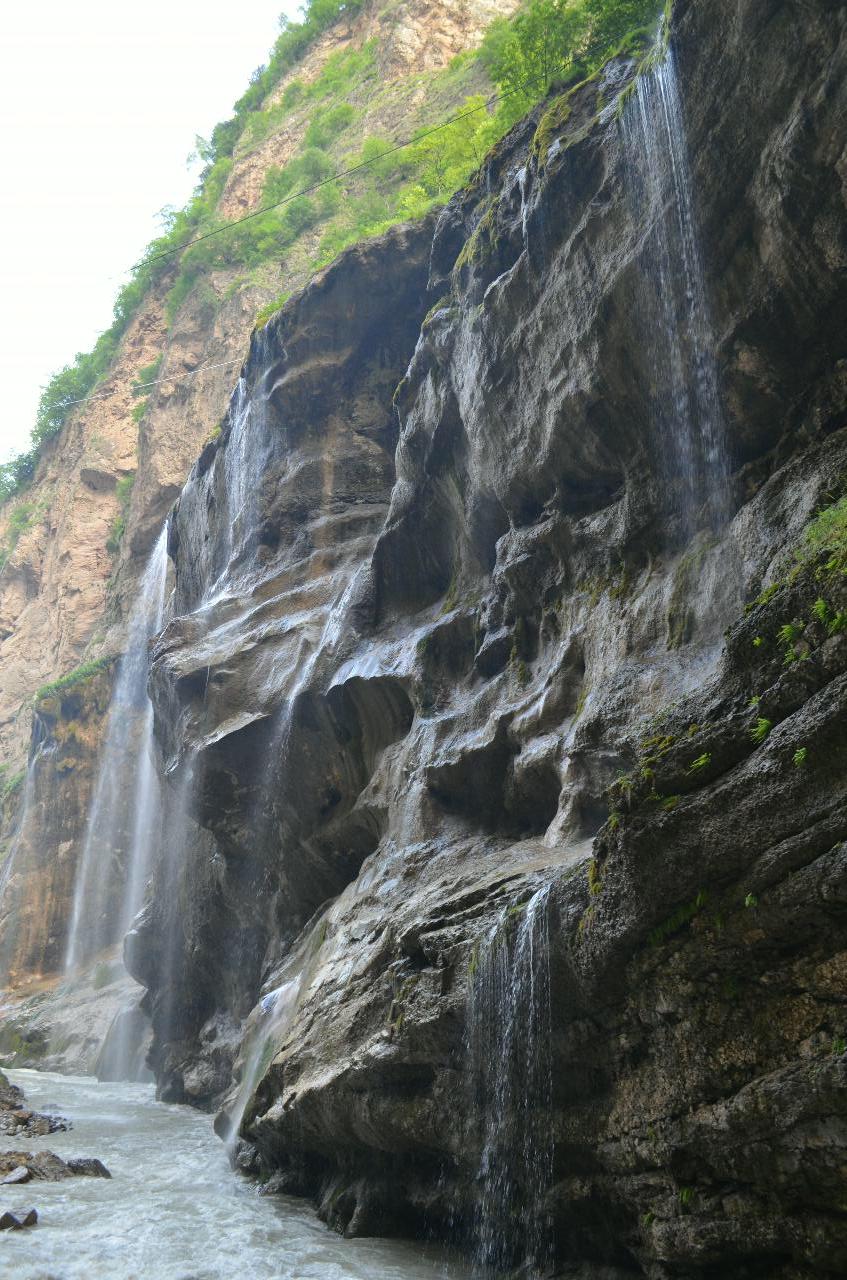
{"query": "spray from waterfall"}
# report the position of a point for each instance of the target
(510, 1060)
(8, 924)
(687, 408)
(123, 821)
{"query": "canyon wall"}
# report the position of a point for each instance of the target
(504, 890)
(73, 546)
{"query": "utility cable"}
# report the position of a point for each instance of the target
(295, 195)
(139, 386)
(324, 182)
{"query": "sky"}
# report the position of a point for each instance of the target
(100, 103)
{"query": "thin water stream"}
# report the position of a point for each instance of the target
(173, 1209)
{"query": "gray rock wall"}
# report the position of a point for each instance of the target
(405, 695)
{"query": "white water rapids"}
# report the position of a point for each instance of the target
(173, 1209)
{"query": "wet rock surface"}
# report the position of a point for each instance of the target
(16, 1118)
(46, 1166)
(16, 1221)
(514, 658)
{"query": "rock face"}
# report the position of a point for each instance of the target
(16, 1118)
(578, 814)
(67, 578)
(42, 850)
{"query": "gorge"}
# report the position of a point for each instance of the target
(469, 797)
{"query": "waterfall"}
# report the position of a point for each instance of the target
(270, 1020)
(8, 923)
(510, 1058)
(123, 821)
(687, 406)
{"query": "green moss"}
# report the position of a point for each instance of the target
(482, 241)
(271, 308)
(552, 122)
(680, 918)
(123, 493)
(79, 675)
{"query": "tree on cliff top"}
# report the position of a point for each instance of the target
(550, 39)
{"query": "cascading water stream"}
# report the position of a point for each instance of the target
(8, 930)
(687, 404)
(510, 1064)
(123, 821)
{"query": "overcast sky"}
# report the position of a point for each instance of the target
(100, 105)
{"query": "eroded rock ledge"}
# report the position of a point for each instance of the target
(406, 685)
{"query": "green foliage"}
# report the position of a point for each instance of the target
(552, 40)
(751, 901)
(139, 410)
(826, 537)
(328, 123)
(123, 493)
(768, 594)
(22, 518)
(680, 918)
(415, 179)
(820, 611)
(702, 762)
(761, 730)
(78, 676)
(11, 784)
(788, 635)
(800, 756)
(548, 38)
(290, 46)
(79, 378)
(312, 166)
(146, 374)
(271, 309)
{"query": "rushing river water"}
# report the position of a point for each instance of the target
(173, 1210)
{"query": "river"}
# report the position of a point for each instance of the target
(173, 1209)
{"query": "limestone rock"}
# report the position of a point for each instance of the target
(513, 658)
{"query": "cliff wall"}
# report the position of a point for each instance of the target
(73, 546)
(507, 773)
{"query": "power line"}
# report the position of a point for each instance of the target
(139, 386)
(304, 191)
(324, 182)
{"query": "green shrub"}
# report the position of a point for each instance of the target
(827, 536)
(123, 493)
(77, 676)
(79, 378)
(11, 784)
(550, 40)
(146, 374)
(761, 730)
(327, 124)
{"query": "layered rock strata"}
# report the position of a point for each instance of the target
(74, 545)
(515, 658)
